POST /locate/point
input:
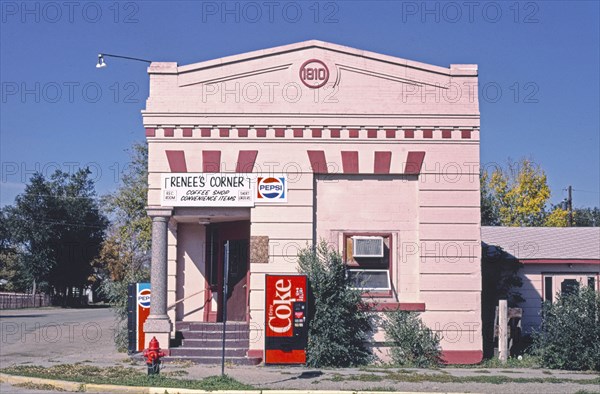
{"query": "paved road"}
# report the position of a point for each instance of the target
(48, 336)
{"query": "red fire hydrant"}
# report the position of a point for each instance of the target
(153, 355)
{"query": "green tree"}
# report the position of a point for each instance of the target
(124, 257)
(58, 228)
(12, 274)
(489, 204)
(586, 217)
(339, 324)
(31, 226)
(517, 196)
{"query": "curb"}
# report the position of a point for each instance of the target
(67, 386)
(110, 388)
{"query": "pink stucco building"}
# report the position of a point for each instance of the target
(350, 146)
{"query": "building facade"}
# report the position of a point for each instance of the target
(315, 141)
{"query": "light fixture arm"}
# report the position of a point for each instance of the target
(102, 64)
(124, 57)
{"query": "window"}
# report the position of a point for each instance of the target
(368, 259)
(548, 293)
(370, 279)
(569, 286)
(565, 283)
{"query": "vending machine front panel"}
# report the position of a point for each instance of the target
(286, 324)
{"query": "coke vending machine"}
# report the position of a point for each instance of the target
(286, 324)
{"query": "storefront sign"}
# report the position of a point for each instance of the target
(271, 189)
(221, 189)
(208, 190)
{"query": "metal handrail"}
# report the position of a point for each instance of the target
(185, 298)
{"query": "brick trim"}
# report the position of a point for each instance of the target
(462, 356)
(394, 306)
(353, 132)
(560, 261)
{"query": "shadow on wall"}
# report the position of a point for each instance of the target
(501, 279)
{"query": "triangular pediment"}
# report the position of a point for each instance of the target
(316, 76)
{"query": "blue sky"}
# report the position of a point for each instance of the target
(59, 111)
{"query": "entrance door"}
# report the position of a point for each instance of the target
(237, 280)
(238, 235)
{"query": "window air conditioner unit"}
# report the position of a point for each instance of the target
(367, 246)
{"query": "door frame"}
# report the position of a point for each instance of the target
(216, 236)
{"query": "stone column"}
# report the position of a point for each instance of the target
(158, 324)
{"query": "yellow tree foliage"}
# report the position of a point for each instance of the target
(557, 218)
(520, 194)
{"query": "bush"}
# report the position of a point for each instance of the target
(339, 325)
(569, 336)
(412, 343)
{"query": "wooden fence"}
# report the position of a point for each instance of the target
(22, 300)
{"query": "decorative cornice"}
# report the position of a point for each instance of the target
(344, 132)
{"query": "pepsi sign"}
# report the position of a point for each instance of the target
(143, 298)
(271, 189)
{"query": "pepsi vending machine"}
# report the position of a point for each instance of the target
(138, 309)
(286, 323)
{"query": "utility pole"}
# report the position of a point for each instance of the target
(570, 205)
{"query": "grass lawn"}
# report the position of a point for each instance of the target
(127, 376)
(377, 375)
(124, 376)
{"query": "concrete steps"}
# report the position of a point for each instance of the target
(201, 343)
